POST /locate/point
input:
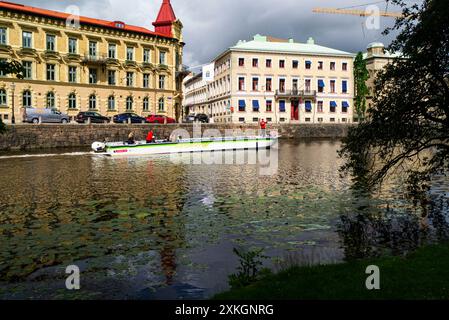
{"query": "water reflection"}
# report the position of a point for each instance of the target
(151, 228)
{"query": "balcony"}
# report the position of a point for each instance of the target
(25, 51)
(130, 63)
(5, 49)
(73, 57)
(95, 59)
(51, 55)
(292, 94)
(147, 66)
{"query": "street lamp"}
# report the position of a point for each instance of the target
(13, 88)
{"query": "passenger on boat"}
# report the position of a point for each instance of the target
(131, 139)
(263, 127)
(150, 137)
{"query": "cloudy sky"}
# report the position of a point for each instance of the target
(211, 26)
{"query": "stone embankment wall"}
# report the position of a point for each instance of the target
(43, 136)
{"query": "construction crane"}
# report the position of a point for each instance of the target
(360, 13)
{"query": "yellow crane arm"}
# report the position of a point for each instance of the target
(360, 13)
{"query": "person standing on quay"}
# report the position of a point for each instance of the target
(263, 127)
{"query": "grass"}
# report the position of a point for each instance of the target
(423, 274)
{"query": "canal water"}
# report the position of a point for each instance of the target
(153, 228)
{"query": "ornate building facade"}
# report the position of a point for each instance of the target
(74, 63)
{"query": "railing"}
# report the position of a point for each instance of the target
(94, 59)
(296, 93)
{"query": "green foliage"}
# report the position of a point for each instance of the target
(11, 67)
(249, 270)
(408, 126)
(361, 75)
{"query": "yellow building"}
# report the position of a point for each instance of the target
(75, 63)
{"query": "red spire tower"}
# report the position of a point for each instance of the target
(165, 19)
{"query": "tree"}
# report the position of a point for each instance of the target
(361, 75)
(408, 126)
(10, 67)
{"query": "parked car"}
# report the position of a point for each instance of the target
(155, 118)
(44, 115)
(124, 118)
(190, 118)
(201, 117)
(94, 117)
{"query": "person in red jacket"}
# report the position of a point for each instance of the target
(150, 137)
(263, 127)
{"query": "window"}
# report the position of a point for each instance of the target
(281, 64)
(282, 85)
(3, 97)
(92, 76)
(27, 69)
(344, 106)
(129, 103)
(332, 119)
(162, 55)
(282, 106)
(51, 102)
(92, 48)
(111, 77)
(92, 102)
(146, 104)
(308, 106)
(343, 120)
(112, 49)
(51, 42)
(308, 85)
(268, 63)
(241, 62)
(161, 105)
(73, 45)
(307, 119)
(321, 86)
(295, 85)
(269, 106)
(147, 55)
(72, 74)
(332, 86)
(255, 105)
(129, 79)
(255, 119)
(255, 84)
(241, 84)
(282, 119)
(269, 119)
(255, 63)
(161, 82)
(242, 105)
(26, 99)
(3, 38)
(333, 106)
(332, 66)
(320, 119)
(344, 86)
(295, 64)
(72, 101)
(130, 54)
(146, 80)
(268, 84)
(111, 103)
(51, 72)
(27, 41)
(308, 65)
(320, 106)
(344, 66)
(320, 65)
(241, 119)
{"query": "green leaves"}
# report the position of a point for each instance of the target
(361, 75)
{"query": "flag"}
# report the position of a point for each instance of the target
(209, 72)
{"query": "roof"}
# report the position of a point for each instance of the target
(166, 13)
(83, 20)
(386, 55)
(263, 43)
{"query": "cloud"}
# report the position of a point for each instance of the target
(211, 26)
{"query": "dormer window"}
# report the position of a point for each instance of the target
(119, 24)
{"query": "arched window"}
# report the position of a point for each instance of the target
(129, 103)
(111, 103)
(146, 104)
(27, 99)
(3, 97)
(161, 104)
(51, 104)
(72, 101)
(92, 102)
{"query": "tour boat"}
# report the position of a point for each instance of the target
(185, 145)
